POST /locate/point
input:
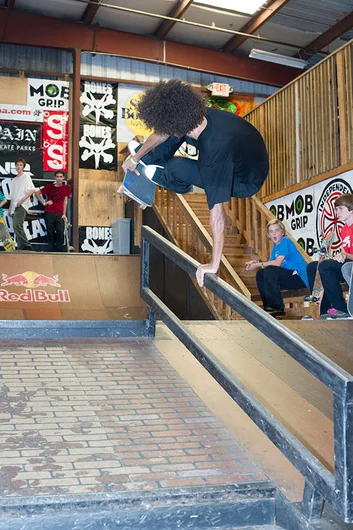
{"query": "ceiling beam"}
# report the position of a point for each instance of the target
(327, 37)
(255, 23)
(90, 11)
(66, 34)
(177, 11)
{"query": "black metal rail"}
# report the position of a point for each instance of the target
(320, 484)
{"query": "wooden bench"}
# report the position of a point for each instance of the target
(294, 304)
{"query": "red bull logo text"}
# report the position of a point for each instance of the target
(34, 283)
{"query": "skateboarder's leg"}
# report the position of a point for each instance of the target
(311, 272)
(163, 152)
(347, 271)
(18, 220)
(179, 175)
(331, 276)
(50, 224)
(277, 279)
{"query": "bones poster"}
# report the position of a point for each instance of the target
(98, 148)
(95, 239)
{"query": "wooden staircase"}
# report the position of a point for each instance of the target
(186, 221)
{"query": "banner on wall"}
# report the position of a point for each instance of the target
(129, 125)
(21, 140)
(309, 214)
(98, 126)
(48, 95)
(95, 239)
(20, 113)
(56, 140)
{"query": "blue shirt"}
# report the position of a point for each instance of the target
(293, 260)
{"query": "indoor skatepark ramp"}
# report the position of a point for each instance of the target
(70, 287)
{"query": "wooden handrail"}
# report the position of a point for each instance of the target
(250, 216)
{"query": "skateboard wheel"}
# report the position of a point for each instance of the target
(314, 299)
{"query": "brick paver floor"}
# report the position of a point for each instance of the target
(106, 415)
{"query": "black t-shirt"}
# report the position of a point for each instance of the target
(233, 160)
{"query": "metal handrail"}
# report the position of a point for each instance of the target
(320, 484)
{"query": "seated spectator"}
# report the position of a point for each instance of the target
(331, 269)
(286, 269)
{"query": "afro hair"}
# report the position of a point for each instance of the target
(172, 107)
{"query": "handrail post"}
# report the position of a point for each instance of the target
(312, 503)
(343, 443)
(145, 282)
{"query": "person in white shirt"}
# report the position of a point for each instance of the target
(22, 188)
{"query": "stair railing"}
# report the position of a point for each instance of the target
(320, 484)
(250, 216)
(187, 232)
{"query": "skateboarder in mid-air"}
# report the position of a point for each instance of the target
(232, 157)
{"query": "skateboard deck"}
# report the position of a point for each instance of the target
(138, 187)
(5, 238)
(317, 294)
(347, 271)
(67, 240)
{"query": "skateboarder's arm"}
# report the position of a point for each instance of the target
(4, 201)
(153, 141)
(65, 209)
(217, 222)
(40, 198)
(255, 264)
(25, 197)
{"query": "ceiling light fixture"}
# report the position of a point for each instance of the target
(270, 57)
(241, 6)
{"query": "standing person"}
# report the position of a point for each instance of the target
(331, 269)
(57, 194)
(22, 188)
(232, 157)
(286, 269)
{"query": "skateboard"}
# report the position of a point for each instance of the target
(317, 294)
(5, 238)
(138, 187)
(347, 272)
(67, 240)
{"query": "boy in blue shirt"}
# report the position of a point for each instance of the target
(286, 269)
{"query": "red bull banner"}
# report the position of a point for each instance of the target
(34, 284)
(56, 140)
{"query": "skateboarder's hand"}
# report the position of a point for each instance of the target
(252, 265)
(341, 257)
(128, 165)
(202, 270)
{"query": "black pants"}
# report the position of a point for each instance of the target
(331, 276)
(272, 280)
(181, 174)
(55, 232)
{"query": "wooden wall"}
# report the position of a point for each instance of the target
(99, 204)
(308, 126)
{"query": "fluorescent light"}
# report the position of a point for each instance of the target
(278, 59)
(242, 6)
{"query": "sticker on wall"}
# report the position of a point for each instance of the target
(56, 140)
(98, 126)
(20, 113)
(95, 239)
(309, 214)
(48, 95)
(129, 125)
